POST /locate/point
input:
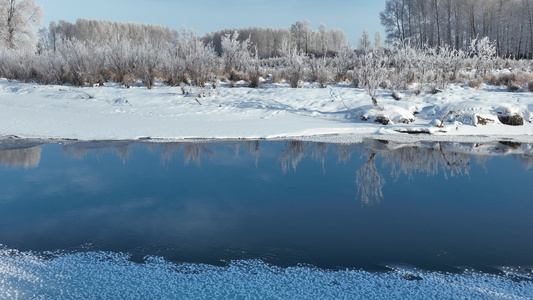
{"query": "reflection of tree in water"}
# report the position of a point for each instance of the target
(79, 151)
(429, 160)
(27, 158)
(253, 148)
(295, 151)
(369, 182)
(191, 151)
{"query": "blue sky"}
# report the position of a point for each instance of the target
(352, 16)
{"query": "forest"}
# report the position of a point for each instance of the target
(435, 23)
(430, 44)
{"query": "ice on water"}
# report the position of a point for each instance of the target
(106, 275)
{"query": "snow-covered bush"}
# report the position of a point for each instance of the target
(442, 66)
(84, 62)
(174, 65)
(320, 70)
(121, 60)
(148, 59)
(235, 53)
(294, 70)
(404, 61)
(201, 61)
(294, 65)
(371, 71)
(483, 52)
(254, 70)
(343, 62)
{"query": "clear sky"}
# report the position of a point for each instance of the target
(204, 16)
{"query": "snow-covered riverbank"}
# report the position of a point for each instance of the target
(272, 111)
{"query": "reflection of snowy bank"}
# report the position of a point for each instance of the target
(99, 275)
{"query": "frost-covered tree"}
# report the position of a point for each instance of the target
(364, 42)
(235, 52)
(294, 64)
(436, 23)
(343, 62)
(121, 60)
(320, 70)
(17, 21)
(483, 52)
(378, 41)
(268, 40)
(148, 60)
(301, 35)
(323, 39)
(201, 60)
(404, 61)
(371, 72)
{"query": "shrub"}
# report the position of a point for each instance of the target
(476, 83)
(276, 77)
(238, 76)
(371, 72)
(295, 66)
(320, 72)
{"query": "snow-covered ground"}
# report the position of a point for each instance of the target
(272, 111)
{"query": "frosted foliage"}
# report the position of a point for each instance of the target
(483, 52)
(404, 65)
(294, 63)
(201, 61)
(378, 41)
(342, 62)
(300, 35)
(364, 41)
(371, 72)
(235, 52)
(17, 21)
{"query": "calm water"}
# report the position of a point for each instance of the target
(436, 206)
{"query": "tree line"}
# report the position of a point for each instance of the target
(435, 23)
(93, 52)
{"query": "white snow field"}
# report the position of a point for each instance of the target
(271, 111)
(104, 275)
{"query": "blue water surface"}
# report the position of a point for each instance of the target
(373, 206)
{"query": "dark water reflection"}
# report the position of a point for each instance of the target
(433, 205)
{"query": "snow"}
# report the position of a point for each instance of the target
(106, 275)
(271, 111)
